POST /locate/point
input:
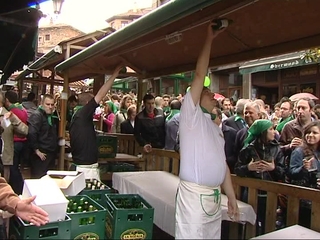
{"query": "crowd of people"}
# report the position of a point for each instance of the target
(214, 138)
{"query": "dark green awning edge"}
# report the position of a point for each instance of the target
(276, 65)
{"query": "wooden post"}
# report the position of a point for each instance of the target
(63, 119)
(63, 114)
(140, 92)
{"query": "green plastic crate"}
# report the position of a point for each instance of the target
(129, 216)
(121, 167)
(98, 195)
(107, 146)
(80, 226)
(54, 230)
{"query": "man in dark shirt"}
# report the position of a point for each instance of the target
(84, 147)
(149, 125)
(43, 137)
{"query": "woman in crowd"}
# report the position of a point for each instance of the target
(261, 158)
(107, 116)
(127, 126)
(304, 168)
(304, 160)
(122, 114)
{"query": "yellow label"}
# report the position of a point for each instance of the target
(105, 149)
(136, 234)
(87, 236)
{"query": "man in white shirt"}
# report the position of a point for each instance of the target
(203, 167)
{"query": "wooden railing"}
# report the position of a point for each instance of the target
(163, 160)
(127, 144)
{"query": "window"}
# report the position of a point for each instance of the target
(47, 37)
(164, 1)
(40, 39)
(124, 23)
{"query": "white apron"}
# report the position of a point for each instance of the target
(90, 171)
(198, 212)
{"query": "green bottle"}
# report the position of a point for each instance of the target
(79, 209)
(91, 208)
(86, 206)
(81, 201)
(74, 207)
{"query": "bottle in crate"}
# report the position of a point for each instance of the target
(97, 191)
(89, 221)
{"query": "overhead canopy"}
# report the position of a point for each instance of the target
(261, 28)
(59, 53)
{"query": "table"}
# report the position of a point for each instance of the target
(293, 232)
(159, 189)
(120, 157)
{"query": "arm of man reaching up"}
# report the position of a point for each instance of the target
(107, 86)
(203, 64)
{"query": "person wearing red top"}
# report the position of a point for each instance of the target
(12, 104)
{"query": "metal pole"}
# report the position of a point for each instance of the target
(63, 119)
(63, 114)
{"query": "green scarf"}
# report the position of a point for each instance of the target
(280, 126)
(122, 110)
(76, 109)
(259, 126)
(112, 107)
(49, 116)
(238, 118)
(172, 113)
(166, 109)
(15, 105)
(213, 116)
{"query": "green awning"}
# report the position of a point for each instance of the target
(275, 63)
(41, 62)
(158, 18)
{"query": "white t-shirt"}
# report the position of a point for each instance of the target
(202, 156)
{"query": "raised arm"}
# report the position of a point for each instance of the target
(107, 86)
(203, 64)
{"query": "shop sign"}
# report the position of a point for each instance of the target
(287, 64)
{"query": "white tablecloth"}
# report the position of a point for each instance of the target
(159, 190)
(293, 232)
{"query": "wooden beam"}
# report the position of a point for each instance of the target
(132, 66)
(43, 80)
(77, 47)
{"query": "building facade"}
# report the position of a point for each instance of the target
(50, 35)
(269, 79)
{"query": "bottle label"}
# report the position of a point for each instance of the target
(88, 235)
(133, 234)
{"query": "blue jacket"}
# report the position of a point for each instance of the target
(298, 174)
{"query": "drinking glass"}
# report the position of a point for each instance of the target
(313, 164)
